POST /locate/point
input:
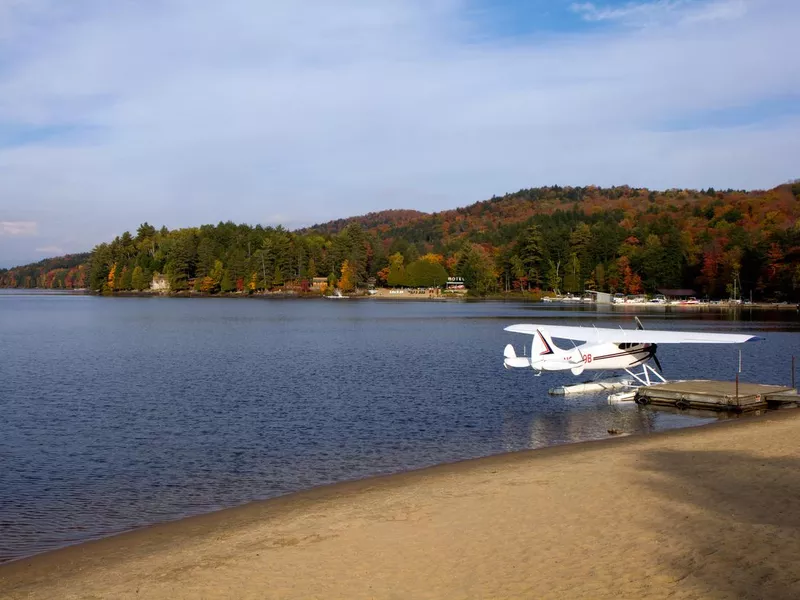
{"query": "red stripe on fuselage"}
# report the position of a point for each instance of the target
(546, 345)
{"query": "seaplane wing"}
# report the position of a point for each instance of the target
(632, 336)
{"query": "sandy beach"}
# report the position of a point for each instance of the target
(710, 512)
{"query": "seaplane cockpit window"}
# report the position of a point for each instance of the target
(625, 345)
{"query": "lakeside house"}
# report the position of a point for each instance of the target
(160, 284)
(319, 284)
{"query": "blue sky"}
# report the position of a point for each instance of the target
(183, 112)
(518, 18)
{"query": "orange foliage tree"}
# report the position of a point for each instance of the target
(347, 282)
(112, 276)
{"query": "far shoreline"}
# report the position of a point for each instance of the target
(411, 297)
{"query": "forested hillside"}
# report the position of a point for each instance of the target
(62, 272)
(552, 238)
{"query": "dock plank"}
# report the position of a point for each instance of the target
(711, 394)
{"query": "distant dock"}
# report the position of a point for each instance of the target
(707, 394)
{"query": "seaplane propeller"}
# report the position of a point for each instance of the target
(655, 359)
(640, 327)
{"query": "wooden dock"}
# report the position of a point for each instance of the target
(706, 394)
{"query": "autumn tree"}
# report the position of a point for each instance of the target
(111, 283)
(206, 256)
(277, 277)
(227, 283)
(352, 245)
(383, 275)
(632, 282)
(433, 258)
(397, 272)
(554, 275)
(572, 277)
(580, 243)
(530, 250)
(476, 267)
(217, 271)
(426, 273)
(347, 282)
(138, 281)
(181, 260)
(125, 279)
(600, 276)
(145, 231)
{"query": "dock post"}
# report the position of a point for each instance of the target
(739, 370)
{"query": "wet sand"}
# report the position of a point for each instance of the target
(709, 512)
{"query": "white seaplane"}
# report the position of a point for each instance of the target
(605, 349)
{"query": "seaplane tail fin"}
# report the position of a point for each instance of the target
(542, 344)
(508, 352)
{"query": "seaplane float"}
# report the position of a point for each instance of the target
(605, 349)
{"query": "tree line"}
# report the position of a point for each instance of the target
(563, 239)
(62, 272)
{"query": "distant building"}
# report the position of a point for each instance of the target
(319, 284)
(455, 284)
(677, 295)
(600, 297)
(293, 286)
(160, 284)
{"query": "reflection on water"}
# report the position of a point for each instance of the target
(590, 424)
(589, 417)
(122, 412)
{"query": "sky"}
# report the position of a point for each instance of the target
(185, 112)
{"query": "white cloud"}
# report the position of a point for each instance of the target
(661, 12)
(722, 10)
(18, 228)
(246, 110)
(51, 250)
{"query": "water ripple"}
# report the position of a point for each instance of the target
(119, 413)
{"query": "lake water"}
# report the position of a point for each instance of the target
(121, 412)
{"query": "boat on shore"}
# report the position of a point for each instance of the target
(568, 299)
(337, 295)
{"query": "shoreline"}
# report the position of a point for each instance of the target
(356, 485)
(421, 298)
(336, 540)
